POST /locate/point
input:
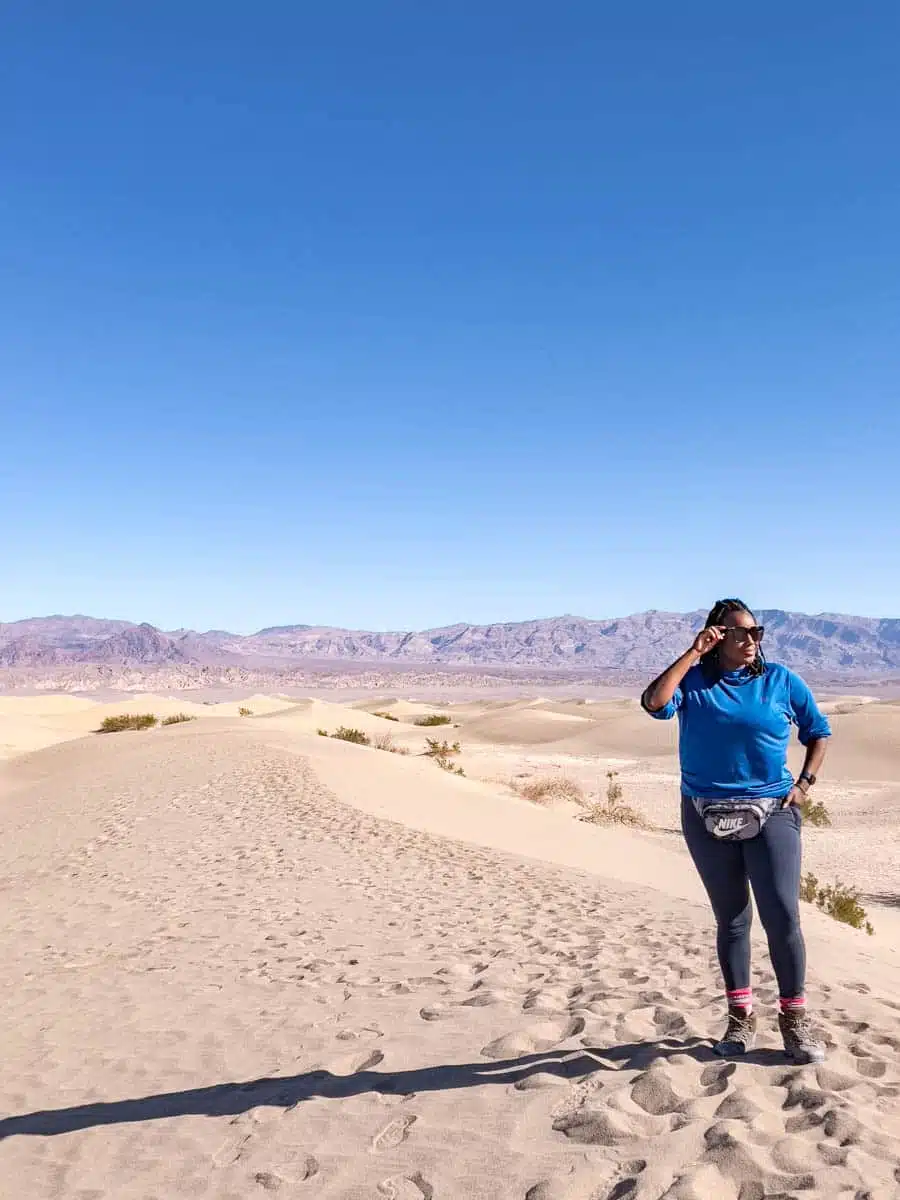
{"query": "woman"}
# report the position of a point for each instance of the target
(740, 807)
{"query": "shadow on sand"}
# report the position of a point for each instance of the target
(230, 1099)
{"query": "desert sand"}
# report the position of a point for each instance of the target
(243, 959)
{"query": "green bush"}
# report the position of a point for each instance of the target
(436, 749)
(815, 813)
(837, 900)
(351, 735)
(431, 719)
(127, 721)
(322, 732)
(386, 716)
(442, 753)
(809, 888)
(177, 719)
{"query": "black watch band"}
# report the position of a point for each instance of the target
(806, 777)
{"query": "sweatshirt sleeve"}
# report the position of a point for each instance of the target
(811, 722)
(668, 711)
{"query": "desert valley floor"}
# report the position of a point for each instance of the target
(242, 959)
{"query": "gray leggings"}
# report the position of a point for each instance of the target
(770, 862)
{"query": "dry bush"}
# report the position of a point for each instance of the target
(386, 716)
(245, 712)
(837, 900)
(177, 719)
(125, 721)
(603, 813)
(385, 741)
(322, 732)
(431, 719)
(612, 811)
(547, 789)
(356, 736)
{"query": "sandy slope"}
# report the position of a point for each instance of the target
(224, 981)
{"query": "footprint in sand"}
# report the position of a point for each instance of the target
(353, 1064)
(597, 1126)
(653, 1092)
(271, 1181)
(871, 1068)
(715, 1077)
(394, 1133)
(435, 1012)
(545, 1001)
(737, 1106)
(483, 997)
(610, 1180)
(542, 1035)
(541, 1079)
(406, 1187)
(840, 1125)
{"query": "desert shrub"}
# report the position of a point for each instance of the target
(322, 732)
(125, 721)
(809, 888)
(446, 765)
(443, 754)
(436, 749)
(548, 788)
(432, 719)
(356, 736)
(386, 716)
(611, 810)
(815, 812)
(177, 719)
(837, 900)
(245, 712)
(385, 741)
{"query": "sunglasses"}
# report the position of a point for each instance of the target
(742, 633)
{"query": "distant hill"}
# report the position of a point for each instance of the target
(830, 645)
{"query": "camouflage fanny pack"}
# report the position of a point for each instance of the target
(734, 820)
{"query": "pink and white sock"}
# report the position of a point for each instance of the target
(792, 1003)
(740, 998)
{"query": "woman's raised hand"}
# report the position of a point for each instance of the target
(706, 639)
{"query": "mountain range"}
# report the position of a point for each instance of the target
(826, 645)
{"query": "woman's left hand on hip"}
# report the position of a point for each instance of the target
(795, 796)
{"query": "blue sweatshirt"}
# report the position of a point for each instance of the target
(734, 731)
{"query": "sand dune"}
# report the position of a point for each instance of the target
(866, 742)
(311, 715)
(523, 726)
(612, 728)
(225, 978)
(32, 722)
(403, 710)
(244, 959)
(44, 705)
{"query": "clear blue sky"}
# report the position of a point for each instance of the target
(393, 314)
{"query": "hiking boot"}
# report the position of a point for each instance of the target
(740, 1036)
(799, 1044)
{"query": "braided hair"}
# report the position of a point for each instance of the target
(709, 663)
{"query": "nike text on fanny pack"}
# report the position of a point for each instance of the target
(726, 825)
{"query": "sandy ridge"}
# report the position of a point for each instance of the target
(227, 982)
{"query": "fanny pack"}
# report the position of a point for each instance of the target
(734, 820)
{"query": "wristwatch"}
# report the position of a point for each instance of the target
(806, 777)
